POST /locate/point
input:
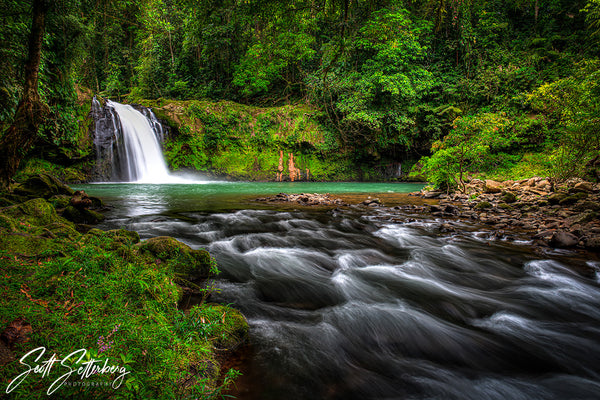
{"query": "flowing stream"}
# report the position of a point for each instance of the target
(368, 303)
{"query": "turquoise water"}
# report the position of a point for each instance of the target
(212, 196)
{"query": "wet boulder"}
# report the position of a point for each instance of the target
(59, 200)
(583, 187)
(587, 206)
(572, 199)
(563, 239)
(483, 205)
(80, 200)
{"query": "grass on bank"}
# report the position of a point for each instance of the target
(116, 298)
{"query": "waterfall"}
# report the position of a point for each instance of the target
(128, 145)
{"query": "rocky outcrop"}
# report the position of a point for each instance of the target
(562, 215)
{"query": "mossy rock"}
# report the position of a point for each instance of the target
(25, 244)
(82, 216)
(7, 223)
(230, 327)
(123, 236)
(59, 200)
(42, 185)
(556, 198)
(509, 197)
(116, 239)
(572, 199)
(94, 232)
(180, 257)
(530, 208)
(96, 202)
(74, 175)
(483, 205)
(504, 206)
(63, 230)
(35, 212)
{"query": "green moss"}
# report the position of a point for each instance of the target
(63, 230)
(556, 198)
(81, 291)
(7, 223)
(60, 200)
(509, 197)
(35, 212)
(179, 257)
(572, 199)
(24, 244)
(483, 205)
(42, 185)
(124, 236)
(227, 328)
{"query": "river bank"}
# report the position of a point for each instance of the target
(559, 215)
(68, 286)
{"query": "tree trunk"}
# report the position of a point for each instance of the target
(21, 135)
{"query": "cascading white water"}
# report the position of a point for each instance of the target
(128, 144)
(142, 159)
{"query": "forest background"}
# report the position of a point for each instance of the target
(356, 90)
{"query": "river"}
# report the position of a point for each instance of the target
(369, 303)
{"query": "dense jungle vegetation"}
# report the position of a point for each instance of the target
(504, 88)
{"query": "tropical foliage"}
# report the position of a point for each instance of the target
(388, 78)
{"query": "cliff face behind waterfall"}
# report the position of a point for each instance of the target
(288, 143)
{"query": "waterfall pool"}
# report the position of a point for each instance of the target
(360, 303)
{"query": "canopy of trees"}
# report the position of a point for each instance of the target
(391, 76)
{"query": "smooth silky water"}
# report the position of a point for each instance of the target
(352, 303)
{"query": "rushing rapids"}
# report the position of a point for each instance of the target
(379, 304)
